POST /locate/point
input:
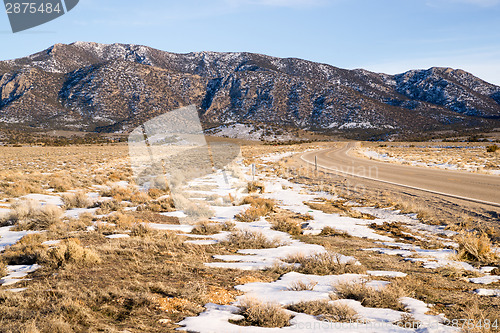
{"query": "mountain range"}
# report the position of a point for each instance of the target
(116, 87)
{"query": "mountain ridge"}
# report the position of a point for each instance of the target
(114, 87)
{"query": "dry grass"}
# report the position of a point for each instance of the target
(457, 273)
(255, 187)
(122, 221)
(322, 264)
(476, 248)
(302, 285)
(155, 193)
(29, 215)
(140, 197)
(386, 297)
(246, 239)
(76, 200)
(141, 230)
(174, 305)
(29, 250)
(61, 183)
(118, 193)
(330, 231)
(286, 224)
(338, 207)
(70, 252)
(3, 269)
(108, 206)
(20, 186)
(408, 321)
(222, 296)
(207, 228)
(263, 314)
(259, 207)
(325, 310)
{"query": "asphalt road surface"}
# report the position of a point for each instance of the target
(467, 186)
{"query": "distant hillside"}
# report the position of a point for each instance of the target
(89, 86)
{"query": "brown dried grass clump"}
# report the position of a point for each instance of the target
(302, 285)
(76, 200)
(475, 247)
(118, 193)
(263, 314)
(324, 264)
(47, 216)
(27, 251)
(325, 310)
(140, 197)
(246, 239)
(174, 305)
(108, 206)
(141, 230)
(386, 297)
(259, 207)
(255, 187)
(3, 269)
(338, 207)
(29, 215)
(207, 228)
(286, 224)
(330, 231)
(62, 182)
(122, 221)
(222, 296)
(21, 187)
(70, 252)
(408, 321)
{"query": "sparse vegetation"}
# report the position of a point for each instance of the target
(76, 200)
(491, 149)
(255, 187)
(329, 231)
(160, 205)
(263, 314)
(386, 297)
(325, 310)
(259, 207)
(247, 239)
(476, 248)
(286, 224)
(338, 207)
(408, 321)
(119, 288)
(207, 228)
(323, 264)
(29, 215)
(108, 206)
(70, 252)
(3, 269)
(302, 285)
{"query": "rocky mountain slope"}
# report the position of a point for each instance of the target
(91, 86)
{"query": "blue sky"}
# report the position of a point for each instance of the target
(389, 36)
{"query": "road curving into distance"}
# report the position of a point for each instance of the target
(472, 187)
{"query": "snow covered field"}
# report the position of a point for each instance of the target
(295, 253)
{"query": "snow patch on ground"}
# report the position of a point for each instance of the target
(17, 273)
(432, 259)
(487, 292)
(8, 237)
(488, 279)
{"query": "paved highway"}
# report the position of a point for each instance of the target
(468, 186)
